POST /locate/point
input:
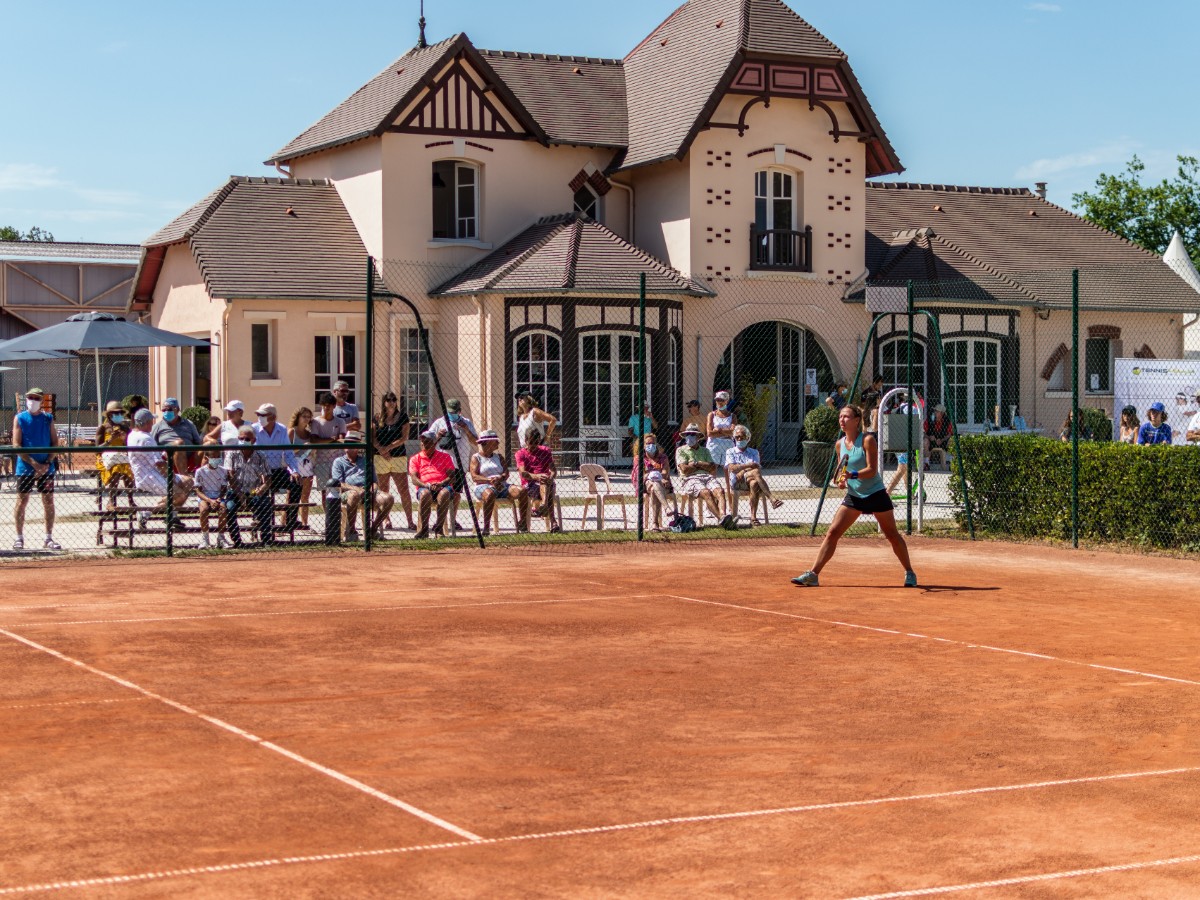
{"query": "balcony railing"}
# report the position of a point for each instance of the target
(781, 251)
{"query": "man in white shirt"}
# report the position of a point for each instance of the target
(345, 411)
(285, 473)
(459, 431)
(1193, 428)
(150, 468)
(744, 468)
(235, 411)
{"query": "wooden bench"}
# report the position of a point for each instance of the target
(122, 522)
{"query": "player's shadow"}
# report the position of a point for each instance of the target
(927, 588)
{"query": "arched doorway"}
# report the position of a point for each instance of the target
(797, 362)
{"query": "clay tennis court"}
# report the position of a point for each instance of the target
(597, 722)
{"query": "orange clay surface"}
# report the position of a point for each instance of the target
(597, 722)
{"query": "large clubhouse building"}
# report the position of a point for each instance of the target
(516, 199)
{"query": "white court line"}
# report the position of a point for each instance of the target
(4, 609)
(73, 703)
(321, 612)
(254, 739)
(578, 832)
(1030, 879)
(941, 640)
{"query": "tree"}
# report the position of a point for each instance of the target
(1148, 214)
(8, 233)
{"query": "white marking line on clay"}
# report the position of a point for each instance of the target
(4, 609)
(967, 644)
(254, 739)
(1031, 879)
(580, 832)
(322, 612)
(74, 703)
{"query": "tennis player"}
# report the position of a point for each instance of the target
(858, 460)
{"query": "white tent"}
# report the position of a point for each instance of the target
(1177, 258)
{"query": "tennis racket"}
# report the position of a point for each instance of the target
(839, 470)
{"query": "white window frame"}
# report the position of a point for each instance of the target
(674, 370)
(616, 382)
(895, 374)
(766, 192)
(457, 166)
(597, 216)
(339, 373)
(971, 417)
(411, 371)
(539, 388)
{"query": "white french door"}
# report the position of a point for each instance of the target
(335, 358)
(608, 385)
(973, 379)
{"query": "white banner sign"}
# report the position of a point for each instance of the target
(1171, 382)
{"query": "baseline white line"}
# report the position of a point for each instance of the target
(942, 640)
(4, 609)
(73, 703)
(578, 832)
(254, 739)
(1030, 879)
(321, 612)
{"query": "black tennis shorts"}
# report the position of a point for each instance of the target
(871, 504)
(30, 481)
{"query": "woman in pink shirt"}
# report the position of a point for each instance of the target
(535, 463)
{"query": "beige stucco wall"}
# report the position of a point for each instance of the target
(181, 304)
(357, 172)
(663, 214)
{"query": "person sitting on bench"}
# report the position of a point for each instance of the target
(249, 488)
(350, 473)
(150, 469)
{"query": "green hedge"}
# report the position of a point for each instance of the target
(1021, 486)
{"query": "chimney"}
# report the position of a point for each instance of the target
(1041, 189)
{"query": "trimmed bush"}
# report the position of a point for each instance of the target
(1021, 486)
(197, 415)
(821, 424)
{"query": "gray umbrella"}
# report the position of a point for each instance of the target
(7, 355)
(98, 331)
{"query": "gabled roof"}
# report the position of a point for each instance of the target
(373, 107)
(676, 77)
(264, 238)
(568, 254)
(1012, 247)
(575, 99)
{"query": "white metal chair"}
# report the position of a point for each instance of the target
(600, 489)
(735, 495)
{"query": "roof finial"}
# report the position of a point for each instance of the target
(421, 42)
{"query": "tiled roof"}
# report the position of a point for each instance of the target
(576, 99)
(262, 238)
(372, 106)
(677, 75)
(1013, 247)
(568, 254)
(69, 251)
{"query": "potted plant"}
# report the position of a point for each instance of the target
(821, 433)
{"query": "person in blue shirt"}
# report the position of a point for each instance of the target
(1156, 430)
(350, 473)
(858, 474)
(35, 471)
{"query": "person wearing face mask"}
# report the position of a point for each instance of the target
(172, 428)
(211, 485)
(249, 488)
(719, 428)
(696, 466)
(744, 468)
(660, 494)
(35, 471)
(285, 468)
(150, 470)
(113, 464)
(837, 399)
(456, 430)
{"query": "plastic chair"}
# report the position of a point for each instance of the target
(600, 488)
(764, 505)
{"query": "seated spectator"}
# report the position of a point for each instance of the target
(249, 489)
(174, 430)
(350, 473)
(432, 473)
(212, 485)
(1193, 428)
(1130, 425)
(150, 469)
(837, 398)
(1085, 433)
(211, 433)
(535, 462)
(744, 468)
(489, 475)
(1156, 431)
(284, 467)
(937, 430)
(658, 487)
(113, 464)
(698, 470)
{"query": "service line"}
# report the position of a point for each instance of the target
(254, 739)
(940, 640)
(618, 828)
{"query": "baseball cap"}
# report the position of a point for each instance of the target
(454, 404)
(267, 409)
(234, 404)
(354, 436)
(142, 416)
(170, 403)
(35, 392)
(1157, 406)
(429, 435)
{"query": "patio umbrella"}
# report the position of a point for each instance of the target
(98, 331)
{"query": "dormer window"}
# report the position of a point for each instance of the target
(455, 201)
(587, 203)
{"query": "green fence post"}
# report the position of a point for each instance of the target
(641, 401)
(367, 424)
(170, 502)
(1075, 408)
(912, 460)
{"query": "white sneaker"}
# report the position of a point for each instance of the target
(221, 542)
(204, 545)
(143, 518)
(19, 543)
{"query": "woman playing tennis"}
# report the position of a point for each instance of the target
(858, 460)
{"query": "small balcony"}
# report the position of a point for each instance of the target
(775, 250)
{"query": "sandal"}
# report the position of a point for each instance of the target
(776, 503)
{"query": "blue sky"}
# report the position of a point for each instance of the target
(117, 117)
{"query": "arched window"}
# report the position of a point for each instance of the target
(537, 369)
(674, 363)
(455, 200)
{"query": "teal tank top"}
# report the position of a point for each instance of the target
(855, 458)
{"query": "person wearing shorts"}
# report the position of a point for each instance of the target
(35, 471)
(699, 472)
(150, 469)
(535, 463)
(432, 471)
(858, 461)
(489, 477)
(391, 454)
